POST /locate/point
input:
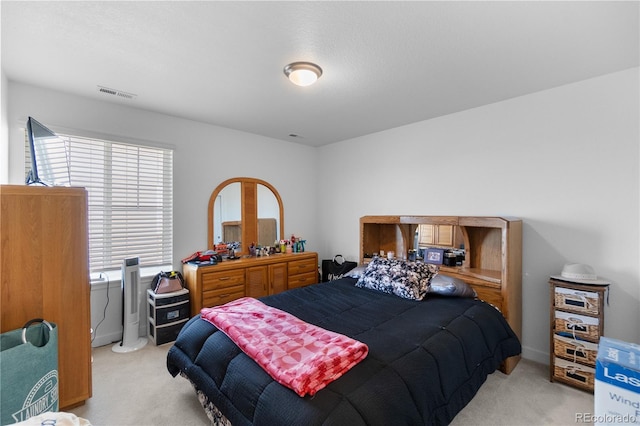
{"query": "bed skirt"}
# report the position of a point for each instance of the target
(215, 415)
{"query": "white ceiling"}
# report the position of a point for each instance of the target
(386, 64)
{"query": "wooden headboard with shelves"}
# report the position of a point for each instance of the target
(493, 256)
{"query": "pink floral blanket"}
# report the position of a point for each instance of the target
(299, 355)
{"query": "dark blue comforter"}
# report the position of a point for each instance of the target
(426, 360)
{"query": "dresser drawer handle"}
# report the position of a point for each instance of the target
(224, 278)
(222, 296)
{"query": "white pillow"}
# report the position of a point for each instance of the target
(356, 272)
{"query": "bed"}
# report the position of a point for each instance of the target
(426, 360)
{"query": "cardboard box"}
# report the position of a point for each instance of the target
(617, 386)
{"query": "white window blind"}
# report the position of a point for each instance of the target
(130, 189)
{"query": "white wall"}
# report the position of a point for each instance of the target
(4, 129)
(563, 160)
(204, 156)
(106, 308)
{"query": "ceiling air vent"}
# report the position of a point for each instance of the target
(115, 92)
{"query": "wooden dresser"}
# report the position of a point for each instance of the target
(251, 276)
(577, 323)
(45, 274)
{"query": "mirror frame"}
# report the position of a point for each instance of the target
(249, 210)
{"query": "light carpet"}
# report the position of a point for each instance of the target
(136, 389)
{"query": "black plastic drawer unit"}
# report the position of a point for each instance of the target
(167, 314)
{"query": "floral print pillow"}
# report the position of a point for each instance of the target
(401, 278)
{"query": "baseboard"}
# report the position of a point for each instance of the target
(535, 355)
(106, 339)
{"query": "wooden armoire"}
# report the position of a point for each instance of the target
(44, 273)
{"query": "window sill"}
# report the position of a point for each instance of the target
(97, 278)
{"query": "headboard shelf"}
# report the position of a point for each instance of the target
(488, 277)
(493, 255)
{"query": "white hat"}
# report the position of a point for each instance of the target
(579, 273)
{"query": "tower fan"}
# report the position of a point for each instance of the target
(131, 341)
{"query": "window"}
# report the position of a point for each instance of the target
(130, 191)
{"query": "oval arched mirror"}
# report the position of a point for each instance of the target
(245, 210)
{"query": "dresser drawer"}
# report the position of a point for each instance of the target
(575, 350)
(302, 266)
(577, 325)
(577, 300)
(222, 295)
(574, 373)
(301, 280)
(222, 279)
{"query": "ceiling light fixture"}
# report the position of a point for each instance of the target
(303, 73)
